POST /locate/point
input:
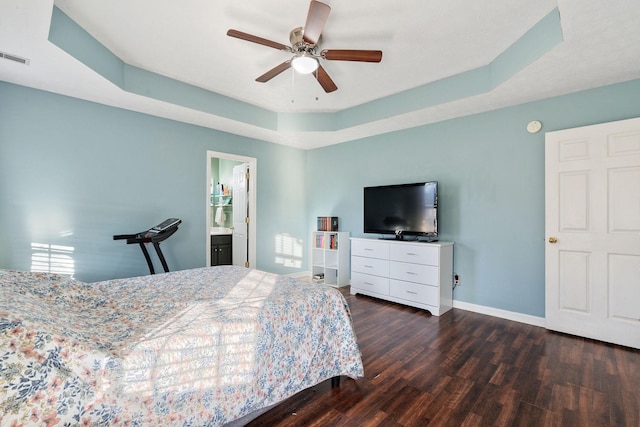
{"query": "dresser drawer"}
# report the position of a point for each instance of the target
(370, 248)
(419, 254)
(377, 284)
(425, 274)
(377, 267)
(423, 294)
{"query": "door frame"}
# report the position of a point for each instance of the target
(251, 197)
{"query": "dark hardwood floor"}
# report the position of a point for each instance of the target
(468, 369)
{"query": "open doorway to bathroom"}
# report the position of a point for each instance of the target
(231, 209)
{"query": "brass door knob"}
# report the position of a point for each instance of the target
(553, 240)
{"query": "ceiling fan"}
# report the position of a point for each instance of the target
(304, 46)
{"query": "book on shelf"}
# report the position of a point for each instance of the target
(333, 242)
(327, 223)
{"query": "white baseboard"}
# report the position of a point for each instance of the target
(503, 314)
(490, 311)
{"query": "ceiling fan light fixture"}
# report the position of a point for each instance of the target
(304, 64)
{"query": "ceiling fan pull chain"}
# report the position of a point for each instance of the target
(293, 88)
(293, 82)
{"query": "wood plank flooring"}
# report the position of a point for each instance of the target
(468, 369)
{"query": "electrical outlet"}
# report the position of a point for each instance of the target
(456, 279)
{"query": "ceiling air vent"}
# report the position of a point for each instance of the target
(14, 58)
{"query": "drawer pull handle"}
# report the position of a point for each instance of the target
(411, 292)
(367, 283)
(411, 253)
(412, 273)
(368, 249)
(368, 266)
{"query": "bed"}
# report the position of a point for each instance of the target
(188, 348)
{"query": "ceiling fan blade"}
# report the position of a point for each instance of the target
(255, 39)
(316, 18)
(352, 55)
(274, 72)
(325, 81)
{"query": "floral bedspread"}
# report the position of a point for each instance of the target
(187, 348)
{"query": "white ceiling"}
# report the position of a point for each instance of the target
(423, 41)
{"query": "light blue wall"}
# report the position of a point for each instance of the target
(491, 187)
(75, 173)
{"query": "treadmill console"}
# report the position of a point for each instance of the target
(166, 224)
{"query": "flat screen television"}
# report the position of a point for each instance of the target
(402, 210)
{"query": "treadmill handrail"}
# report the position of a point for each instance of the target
(151, 236)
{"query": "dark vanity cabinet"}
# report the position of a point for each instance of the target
(221, 249)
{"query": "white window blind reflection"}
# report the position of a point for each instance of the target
(46, 258)
(288, 251)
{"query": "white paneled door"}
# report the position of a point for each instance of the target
(240, 236)
(592, 222)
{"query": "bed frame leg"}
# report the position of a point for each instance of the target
(335, 382)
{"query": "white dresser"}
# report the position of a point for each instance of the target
(411, 273)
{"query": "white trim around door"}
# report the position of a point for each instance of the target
(252, 198)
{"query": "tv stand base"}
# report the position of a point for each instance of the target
(404, 239)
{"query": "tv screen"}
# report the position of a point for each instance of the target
(404, 209)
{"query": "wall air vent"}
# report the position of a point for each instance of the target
(14, 58)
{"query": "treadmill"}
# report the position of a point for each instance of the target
(154, 235)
